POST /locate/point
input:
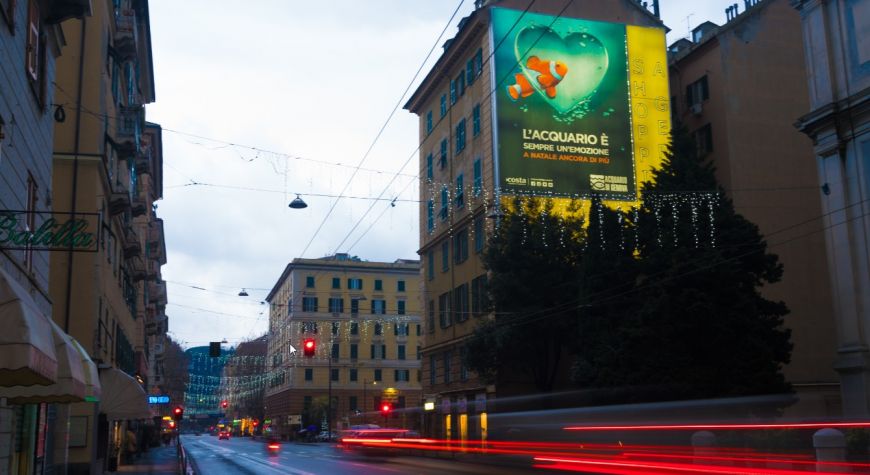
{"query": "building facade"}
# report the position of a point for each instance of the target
(108, 163)
(837, 120)
(454, 105)
(728, 92)
(365, 322)
(41, 368)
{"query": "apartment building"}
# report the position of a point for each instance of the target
(457, 192)
(364, 319)
(837, 121)
(732, 90)
(108, 163)
(42, 368)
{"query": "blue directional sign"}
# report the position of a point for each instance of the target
(159, 399)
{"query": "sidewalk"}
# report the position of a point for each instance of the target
(157, 461)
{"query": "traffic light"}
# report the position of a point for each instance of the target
(172, 424)
(386, 409)
(214, 349)
(224, 404)
(308, 347)
(178, 413)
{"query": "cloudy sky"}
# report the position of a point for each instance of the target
(284, 97)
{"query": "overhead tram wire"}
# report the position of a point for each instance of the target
(383, 127)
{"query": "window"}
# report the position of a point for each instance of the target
(309, 327)
(335, 326)
(309, 304)
(444, 310)
(401, 329)
(378, 351)
(460, 246)
(309, 281)
(429, 172)
(351, 400)
(354, 284)
(460, 191)
(479, 234)
(443, 105)
(432, 372)
(463, 369)
(336, 282)
(354, 353)
(475, 120)
(445, 255)
(460, 303)
(335, 350)
(401, 352)
(306, 402)
(429, 122)
(478, 61)
(418, 329)
(445, 201)
(400, 286)
(7, 10)
(333, 374)
(478, 178)
(430, 267)
(379, 307)
(379, 329)
(378, 375)
(402, 375)
(460, 84)
(32, 41)
(400, 307)
(309, 374)
(453, 91)
(379, 284)
(354, 328)
(479, 300)
(430, 317)
(336, 305)
(430, 215)
(442, 158)
(697, 92)
(469, 71)
(447, 367)
(354, 307)
(419, 355)
(703, 140)
(289, 306)
(460, 136)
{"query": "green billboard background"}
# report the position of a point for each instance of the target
(571, 133)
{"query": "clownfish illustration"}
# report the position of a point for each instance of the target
(550, 74)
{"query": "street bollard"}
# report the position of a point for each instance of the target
(830, 445)
(704, 445)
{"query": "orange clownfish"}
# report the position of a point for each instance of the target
(550, 73)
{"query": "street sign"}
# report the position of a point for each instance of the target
(390, 395)
(158, 399)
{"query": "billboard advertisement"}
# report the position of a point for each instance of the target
(580, 106)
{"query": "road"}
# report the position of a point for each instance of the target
(245, 456)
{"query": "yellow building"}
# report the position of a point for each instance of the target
(365, 322)
(454, 104)
(108, 161)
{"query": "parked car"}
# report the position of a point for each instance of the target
(224, 435)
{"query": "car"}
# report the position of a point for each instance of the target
(223, 435)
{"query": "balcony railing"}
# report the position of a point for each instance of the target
(132, 246)
(119, 199)
(128, 133)
(126, 34)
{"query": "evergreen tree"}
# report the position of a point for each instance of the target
(688, 319)
(533, 262)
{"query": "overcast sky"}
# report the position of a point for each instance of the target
(261, 102)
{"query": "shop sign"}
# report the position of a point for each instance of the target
(49, 231)
(158, 399)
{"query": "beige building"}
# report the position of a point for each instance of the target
(836, 119)
(731, 89)
(456, 191)
(108, 161)
(365, 322)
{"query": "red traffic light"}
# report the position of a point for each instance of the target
(172, 424)
(224, 404)
(256, 423)
(178, 413)
(308, 347)
(386, 408)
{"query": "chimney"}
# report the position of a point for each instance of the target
(656, 11)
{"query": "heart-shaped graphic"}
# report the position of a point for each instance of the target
(583, 54)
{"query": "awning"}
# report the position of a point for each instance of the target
(27, 355)
(92, 376)
(123, 396)
(71, 384)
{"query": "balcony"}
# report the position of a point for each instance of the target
(128, 131)
(60, 10)
(132, 246)
(137, 268)
(157, 325)
(119, 199)
(138, 206)
(126, 33)
(143, 158)
(152, 269)
(157, 292)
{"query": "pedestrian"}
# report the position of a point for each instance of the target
(131, 446)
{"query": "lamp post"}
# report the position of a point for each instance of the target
(365, 404)
(329, 403)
